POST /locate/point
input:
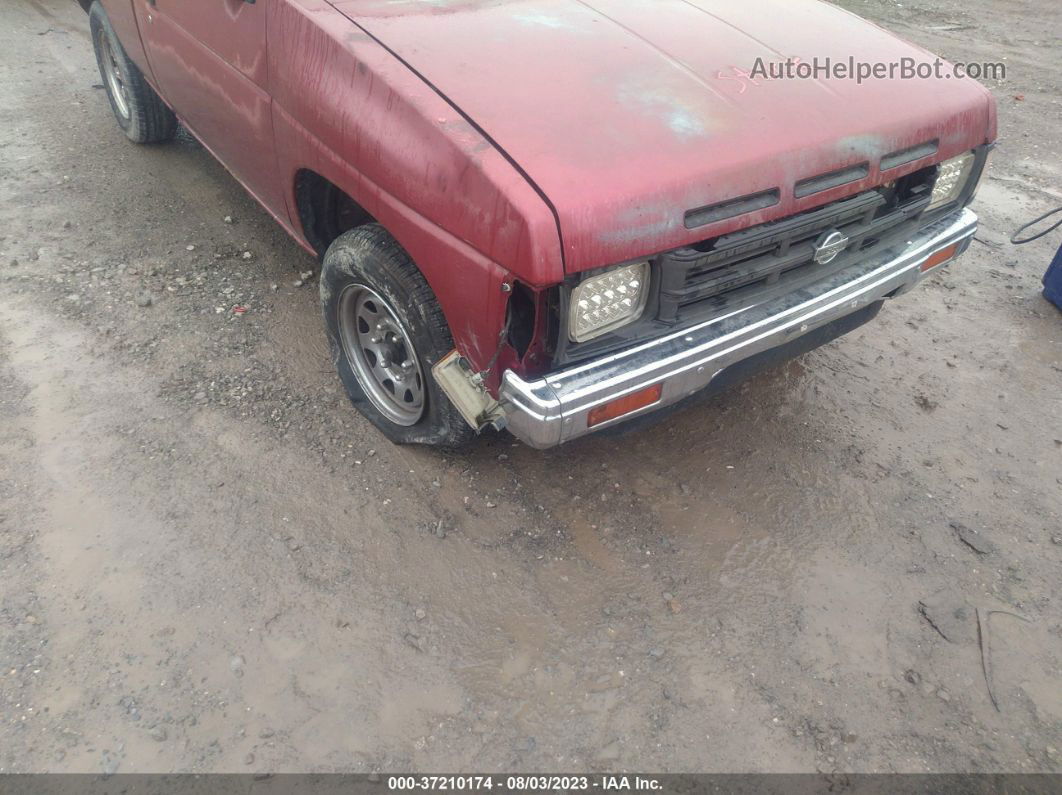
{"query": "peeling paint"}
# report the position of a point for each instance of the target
(625, 132)
(633, 232)
(870, 147)
(682, 112)
(545, 20)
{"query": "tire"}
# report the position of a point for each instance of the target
(141, 113)
(386, 330)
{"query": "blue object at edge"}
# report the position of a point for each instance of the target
(1053, 280)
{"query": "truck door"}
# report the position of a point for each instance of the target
(209, 60)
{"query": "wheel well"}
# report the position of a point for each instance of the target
(325, 211)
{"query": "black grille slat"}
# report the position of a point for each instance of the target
(737, 276)
(734, 264)
(905, 156)
(834, 179)
(796, 228)
(730, 209)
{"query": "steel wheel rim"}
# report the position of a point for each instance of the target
(113, 73)
(381, 354)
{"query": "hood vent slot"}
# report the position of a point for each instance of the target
(808, 187)
(905, 156)
(732, 208)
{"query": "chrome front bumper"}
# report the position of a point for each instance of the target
(554, 409)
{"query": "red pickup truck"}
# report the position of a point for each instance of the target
(552, 216)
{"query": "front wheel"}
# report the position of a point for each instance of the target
(141, 113)
(386, 330)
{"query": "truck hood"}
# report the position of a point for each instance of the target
(628, 115)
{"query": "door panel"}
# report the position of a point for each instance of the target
(209, 59)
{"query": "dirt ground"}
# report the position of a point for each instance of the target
(209, 562)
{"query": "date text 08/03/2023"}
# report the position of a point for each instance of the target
(523, 783)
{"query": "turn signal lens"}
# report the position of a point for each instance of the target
(625, 405)
(940, 257)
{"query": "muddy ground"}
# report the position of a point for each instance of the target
(209, 562)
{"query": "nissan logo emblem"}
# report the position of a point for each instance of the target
(829, 245)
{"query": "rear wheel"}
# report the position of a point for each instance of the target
(386, 330)
(140, 112)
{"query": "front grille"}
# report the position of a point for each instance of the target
(737, 268)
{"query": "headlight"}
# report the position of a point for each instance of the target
(606, 302)
(951, 179)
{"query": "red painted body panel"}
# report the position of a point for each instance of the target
(208, 60)
(348, 110)
(527, 139)
(629, 113)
